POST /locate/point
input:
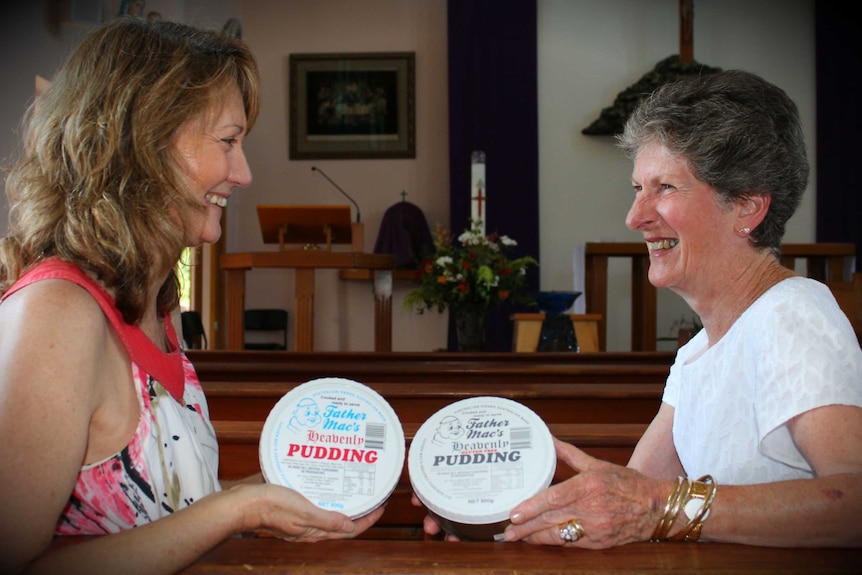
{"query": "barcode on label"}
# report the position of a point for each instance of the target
(520, 438)
(375, 436)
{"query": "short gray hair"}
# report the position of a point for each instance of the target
(739, 134)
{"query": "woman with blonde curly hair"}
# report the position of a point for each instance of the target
(132, 155)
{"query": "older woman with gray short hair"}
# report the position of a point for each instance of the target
(758, 436)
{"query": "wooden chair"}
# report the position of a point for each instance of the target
(194, 334)
(266, 320)
(849, 297)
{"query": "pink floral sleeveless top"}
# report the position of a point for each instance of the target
(172, 460)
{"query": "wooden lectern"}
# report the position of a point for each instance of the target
(310, 225)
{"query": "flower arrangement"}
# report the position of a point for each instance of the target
(474, 273)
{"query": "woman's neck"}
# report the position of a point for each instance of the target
(740, 292)
(154, 328)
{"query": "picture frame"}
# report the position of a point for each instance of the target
(352, 106)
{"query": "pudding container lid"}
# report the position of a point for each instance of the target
(335, 441)
(475, 459)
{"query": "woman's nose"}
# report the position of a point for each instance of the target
(240, 171)
(635, 217)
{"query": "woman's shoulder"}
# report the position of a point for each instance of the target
(52, 296)
(796, 293)
(53, 316)
(802, 310)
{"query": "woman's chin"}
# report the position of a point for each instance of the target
(659, 280)
(206, 237)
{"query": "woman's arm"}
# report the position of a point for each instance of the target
(52, 339)
(54, 347)
(617, 505)
(655, 454)
(174, 542)
(819, 512)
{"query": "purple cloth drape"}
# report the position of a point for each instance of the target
(493, 107)
(839, 124)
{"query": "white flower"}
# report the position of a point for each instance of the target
(443, 261)
(470, 239)
(507, 241)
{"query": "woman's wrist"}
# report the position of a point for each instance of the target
(687, 504)
(237, 505)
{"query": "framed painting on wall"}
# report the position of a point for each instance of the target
(352, 106)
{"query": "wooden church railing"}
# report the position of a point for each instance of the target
(824, 262)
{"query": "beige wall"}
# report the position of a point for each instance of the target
(275, 29)
(588, 51)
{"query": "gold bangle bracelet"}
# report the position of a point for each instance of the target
(691, 532)
(670, 498)
(671, 509)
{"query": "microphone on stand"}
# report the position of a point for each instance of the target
(337, 187)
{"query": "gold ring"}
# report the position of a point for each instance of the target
(571, 531)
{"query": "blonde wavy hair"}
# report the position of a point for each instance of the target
(99, 174)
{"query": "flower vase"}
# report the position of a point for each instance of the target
(470, 327)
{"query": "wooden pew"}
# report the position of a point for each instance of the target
(599, 402)
(440, 367)
(357, 557)
(415, 402)
(824, 262)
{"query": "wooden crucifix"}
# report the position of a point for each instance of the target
(686, 31)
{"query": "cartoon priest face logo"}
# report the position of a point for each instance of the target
(305, 416)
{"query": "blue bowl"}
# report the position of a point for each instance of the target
(555, 302)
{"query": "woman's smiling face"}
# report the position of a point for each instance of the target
(685, 226)
(214, 163)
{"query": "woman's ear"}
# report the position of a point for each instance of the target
(752, 210)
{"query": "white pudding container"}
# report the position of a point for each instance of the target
(474, 460)
(335, 441)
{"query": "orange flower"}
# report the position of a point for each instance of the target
(503, 295)
(441, 279)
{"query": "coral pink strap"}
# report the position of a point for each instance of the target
(166, 368)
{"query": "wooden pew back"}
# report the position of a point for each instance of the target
(599, 402)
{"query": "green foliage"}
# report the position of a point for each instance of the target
(473, 273)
